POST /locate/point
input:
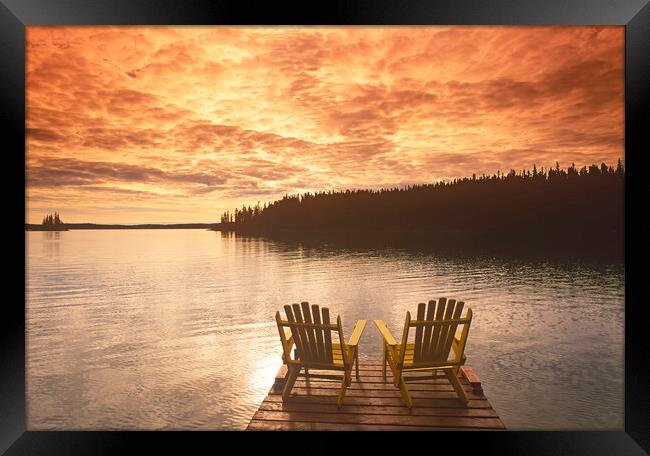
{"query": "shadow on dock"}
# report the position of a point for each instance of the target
(373, 404)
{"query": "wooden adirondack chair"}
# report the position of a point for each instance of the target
(435, 336)
(315, 349)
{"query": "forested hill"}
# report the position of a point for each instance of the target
(569, 209)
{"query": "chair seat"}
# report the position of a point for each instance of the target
(337, 356)
(408, 357)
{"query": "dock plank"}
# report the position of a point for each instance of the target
(293, 426)
(382, 401)
(273, 406)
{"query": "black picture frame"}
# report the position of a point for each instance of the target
(15, 15)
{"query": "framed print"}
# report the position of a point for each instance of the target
(413, 217)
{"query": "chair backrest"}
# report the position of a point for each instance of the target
(312, 333)
(435, 328)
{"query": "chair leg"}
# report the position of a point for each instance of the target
(356, 360)
(458, 387)
(397, 375)
(292, 375)
(383, 363)
(349, 375)
(344, 385)
(405, 393)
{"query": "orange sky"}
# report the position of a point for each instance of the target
(178, 124)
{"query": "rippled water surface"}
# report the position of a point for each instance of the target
(174, 329)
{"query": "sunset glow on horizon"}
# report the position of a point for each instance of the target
(178, 124)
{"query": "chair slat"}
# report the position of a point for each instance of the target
(286, 350)
(405, 336)
(341, 339)
(444, 330)
(440, 311)
(311, 331)
(307, 356)
(328, 335)
(315, 312)
(426, 341)
(294, 330)
(417, 352)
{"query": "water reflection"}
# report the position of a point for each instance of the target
(173, 329)
(51, 235)
(51, 243)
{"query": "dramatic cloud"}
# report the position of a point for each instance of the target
(177, 124)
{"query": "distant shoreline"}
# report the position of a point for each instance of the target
(97, 226)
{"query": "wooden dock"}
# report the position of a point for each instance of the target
(374, 405)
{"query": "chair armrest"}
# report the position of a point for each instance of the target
(356, 334)
(385, 333)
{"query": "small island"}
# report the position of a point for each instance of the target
(51, 222)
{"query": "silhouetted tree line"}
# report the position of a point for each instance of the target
(52, 220)
(541, 209)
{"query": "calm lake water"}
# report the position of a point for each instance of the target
(174, 329)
